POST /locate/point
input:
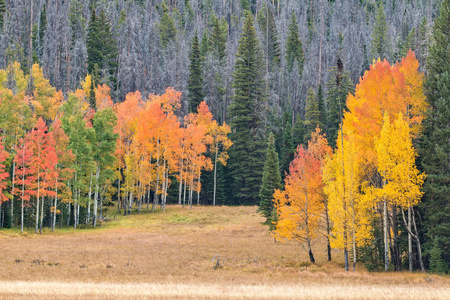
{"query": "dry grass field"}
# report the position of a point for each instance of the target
(173, 254)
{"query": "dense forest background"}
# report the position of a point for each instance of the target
(152, 42)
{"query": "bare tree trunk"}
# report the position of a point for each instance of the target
(55, 206)
(410, 254)
(385, 231)
(118, 195)
(415, 235)
(97, 176)
(180, 185)
(198, 186)
(12, 189)
(215, 174)
(37, 204)
(155, 198)
(88, 217)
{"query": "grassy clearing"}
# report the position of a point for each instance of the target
(177, 250)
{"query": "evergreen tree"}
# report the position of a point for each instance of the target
(248, 116)
(101, 48)
(271, 180)
(218, 39)
(269, 33)
(195, 83)
(312, 114)
(2, 13)
(434, 147)
(338, 88)
(204, 46)
(380, 41)
(167, 30)
(287, 149)
(437, 264)
(42, 29)
(298, 132)
(92, 101)
(294, 47)
(321, 102)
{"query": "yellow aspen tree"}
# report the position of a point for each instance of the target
(349, 211)
(402, 181)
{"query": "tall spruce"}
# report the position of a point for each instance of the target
(101, 48)
(294, 46)
(269, 34)
(2, 14)
(434, 147)
(248, 115)
(195, 83)
(338, 87)
(167, 29)
(218, 39)
(380, 40)
(271, 180)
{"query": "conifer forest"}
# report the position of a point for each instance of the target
(331, 116)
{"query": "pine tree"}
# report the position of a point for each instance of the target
(2, 12)
(437, 264)
(101, 49)
(167, 30)
(294, 47)
(271, 180)
(204, 46)
(380, 41)
(195, 83)
(248, 116)
(269, 33)
(321, 102)
(218, 39)
(312, 114)
(435, 145)
(42, 29)
(287, 149)
(338, 88)
(298, 132)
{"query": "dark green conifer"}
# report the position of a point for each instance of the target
(218, 39)
(434, 146)
(101, 48)
(380, 41)
(195, 83)
(167, 30)
(298, 132)
(294, 47)
(271, 180)
(269, 33)
(248, 115)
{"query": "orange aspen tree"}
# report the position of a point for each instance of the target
(25, 179)
(127, 121)
(319, 148)
(43, 161)
(299, 207)
(63, 170)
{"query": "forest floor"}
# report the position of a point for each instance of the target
(204, 253)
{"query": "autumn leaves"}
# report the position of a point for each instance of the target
(371, 172)
(153, 146)
(67, 156)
